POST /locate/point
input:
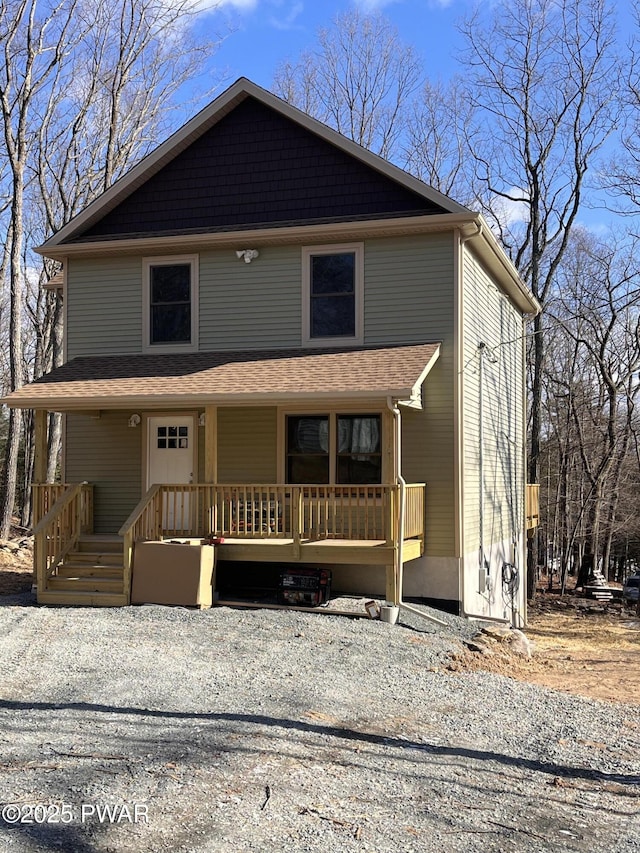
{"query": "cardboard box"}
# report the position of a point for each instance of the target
(173, 573)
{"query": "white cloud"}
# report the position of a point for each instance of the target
(240, 5)
(373, 5)
(509, 212)
(288, 22)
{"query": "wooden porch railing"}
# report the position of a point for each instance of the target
(414, 517)
(532, 505)
(259, 511)
(44, 496)
(59, 529)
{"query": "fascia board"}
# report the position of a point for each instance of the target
(273, 236)
(177, 401)
(491, 252)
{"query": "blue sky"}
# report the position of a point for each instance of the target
(263, 33)
(267, 32)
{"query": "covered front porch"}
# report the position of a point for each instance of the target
(377, 525)
(278, 456)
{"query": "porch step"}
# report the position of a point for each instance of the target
(100, 543)
(89, 570)
(89, 558)
(92, 575)
(80, 583)
(82, 598)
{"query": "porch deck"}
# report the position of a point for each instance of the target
(328, 525)
(325, 551)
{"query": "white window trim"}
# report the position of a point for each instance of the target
(166, 260)
(333, 249)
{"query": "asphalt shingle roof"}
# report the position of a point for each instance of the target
(241, 376)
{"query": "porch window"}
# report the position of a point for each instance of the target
(333, 298)
(359, 457)
(344, 449)
(170, 309)
(308, 449)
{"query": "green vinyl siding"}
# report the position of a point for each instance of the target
(490, 318)
(107, 453)
(250, 306)
(247, 445)
(409, 289)
(104, 306)
(409, 297)
(427, 457)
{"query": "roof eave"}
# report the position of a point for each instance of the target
(491, 252)
(404, 225)
(175, 401)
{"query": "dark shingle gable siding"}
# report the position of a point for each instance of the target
(255, 167)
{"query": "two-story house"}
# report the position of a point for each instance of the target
(277, 338)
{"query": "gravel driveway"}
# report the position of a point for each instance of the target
(166, 729)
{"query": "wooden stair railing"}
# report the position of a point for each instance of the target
(145, 522)
(57, 533)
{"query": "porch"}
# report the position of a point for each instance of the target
(260, 523)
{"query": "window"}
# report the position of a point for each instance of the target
(170, 303)
(344, 449)
(359, 452)
(173, 437)
(333, 294)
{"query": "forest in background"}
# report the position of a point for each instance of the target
(540, 124)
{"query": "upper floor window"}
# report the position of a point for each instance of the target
(333, 294)
(170, 303)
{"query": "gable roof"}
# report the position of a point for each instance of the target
(381, 200)
(248, 376)
(210, 161)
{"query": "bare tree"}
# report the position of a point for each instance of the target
(33, 45)
(596, 309)
(440, 139)
(359, 79)
(86, 88)
(620, 175)
(543, 78)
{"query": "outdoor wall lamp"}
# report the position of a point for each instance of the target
(248, 255)
(134, 420)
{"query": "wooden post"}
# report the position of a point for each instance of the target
(127, 546)
(211, 444)
(210, 508)
(392, 533)
(39, 476)
(296, 518)
(40, 449)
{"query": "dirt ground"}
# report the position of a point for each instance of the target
(16, 565)
(578, 647)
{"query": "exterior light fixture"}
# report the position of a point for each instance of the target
(247, 255)
(134, 421)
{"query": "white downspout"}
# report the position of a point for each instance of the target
(482, 578)
(402, 605)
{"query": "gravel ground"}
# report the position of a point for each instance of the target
(167, 729)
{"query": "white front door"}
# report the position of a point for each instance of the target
(170, 440)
